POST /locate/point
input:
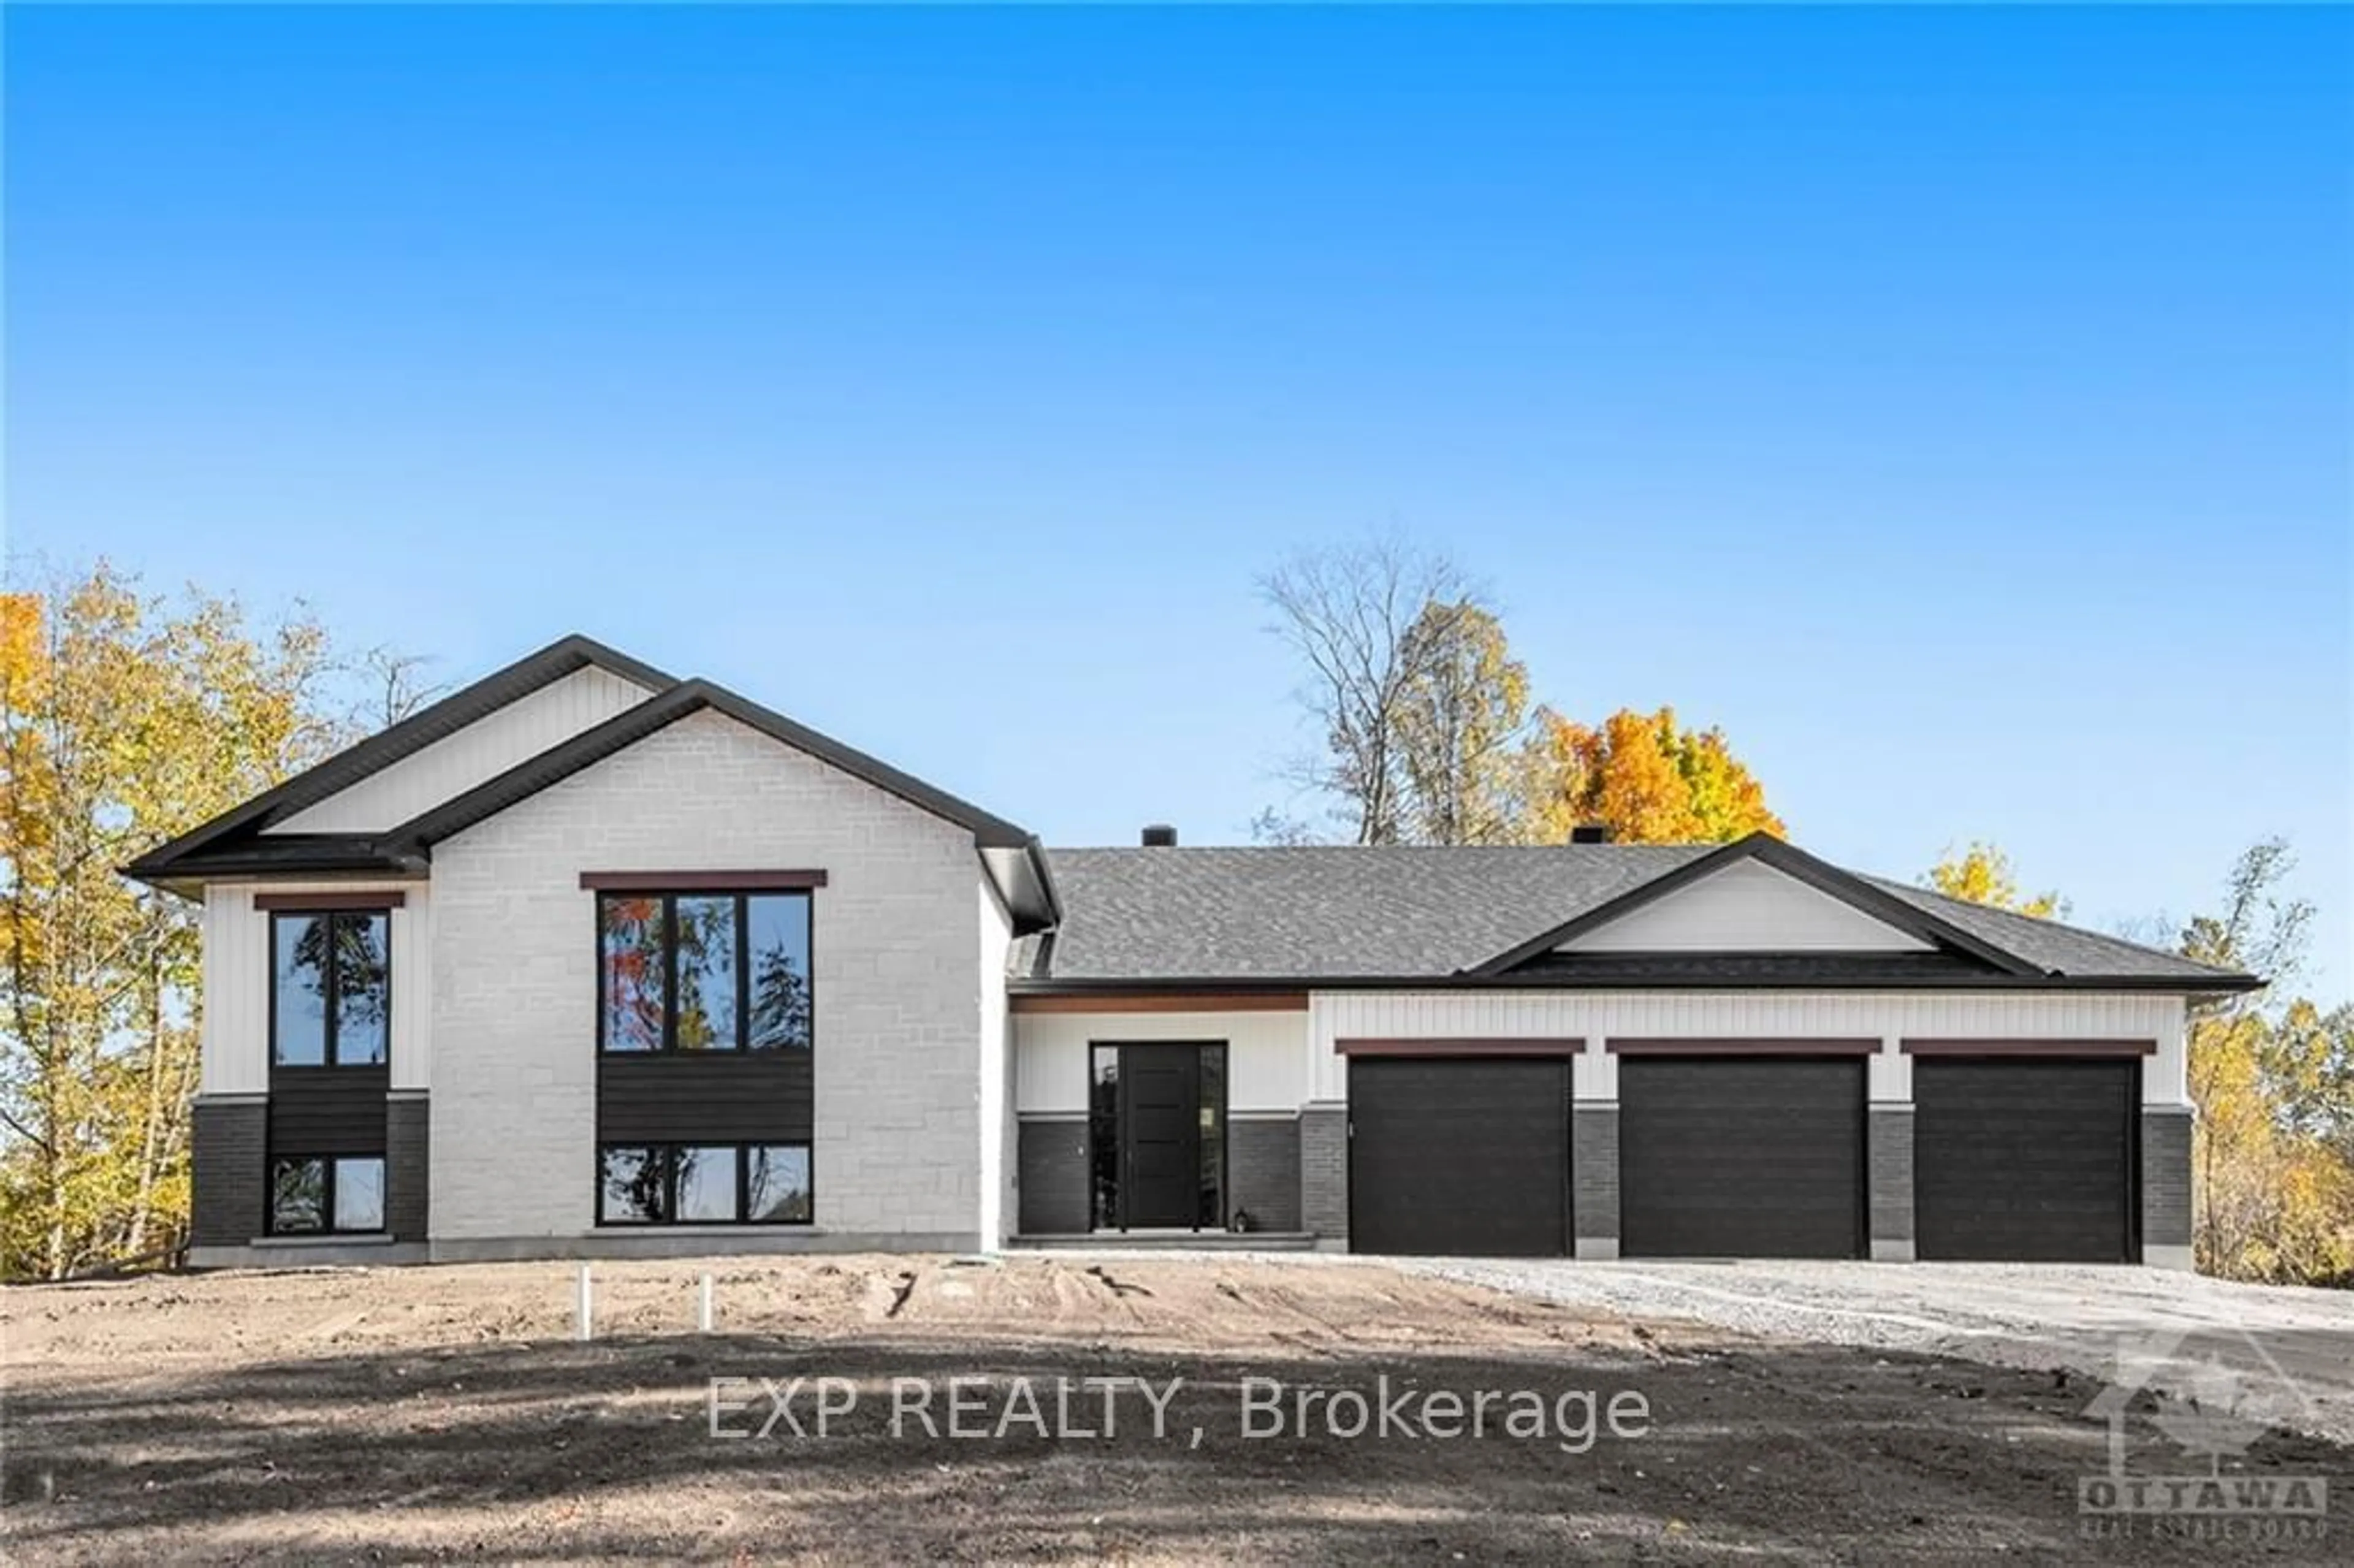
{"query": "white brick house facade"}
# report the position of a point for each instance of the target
(1009, 1043)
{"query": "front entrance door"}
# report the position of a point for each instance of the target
(1160, 1156)
(1161, 1127)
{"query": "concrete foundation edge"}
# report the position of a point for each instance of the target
(322, 1255)
(501, 1249)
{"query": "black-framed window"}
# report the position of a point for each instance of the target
(1103, 1137)
(329, 987)
(704, 971)
(322, 1194)
(705, 1184)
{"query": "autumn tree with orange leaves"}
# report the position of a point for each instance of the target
(1644, 777)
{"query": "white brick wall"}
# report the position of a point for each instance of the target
(895, 954)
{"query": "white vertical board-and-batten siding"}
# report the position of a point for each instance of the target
(1266, 1056)
(235, 1031)
(1889, 1017)
(483, 750)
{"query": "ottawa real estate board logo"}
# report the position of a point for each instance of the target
(2199, 1401)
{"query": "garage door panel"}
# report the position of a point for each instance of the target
(1741, 1157)
(2029, 1162)
(1458, 1158)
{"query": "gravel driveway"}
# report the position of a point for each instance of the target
(2293, 1349)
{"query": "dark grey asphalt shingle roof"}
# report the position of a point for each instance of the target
(1296, 912)
(1404, 912)
(2067, 948)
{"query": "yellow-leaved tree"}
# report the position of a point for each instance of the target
(1982, 874)
(2273, 1082)
(124, 720)
(1460, 713)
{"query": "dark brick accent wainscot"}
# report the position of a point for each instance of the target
(2166, 1176)
(1888, 1155)
(408, 1166)
(1263, 1170)
(1052, 1177)
(228, 1140)
(1324, 1171)
(1594, 1176)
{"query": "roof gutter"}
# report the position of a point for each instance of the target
(2164, 985)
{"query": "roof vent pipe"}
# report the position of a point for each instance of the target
(1159, 835)
(1590, 834)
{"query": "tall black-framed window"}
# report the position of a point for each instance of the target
(329, 987)
(704, 971)
(1103, 1137)
(320, 1194)
(705, 1184)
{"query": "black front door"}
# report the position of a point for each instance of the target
(1160, 1136)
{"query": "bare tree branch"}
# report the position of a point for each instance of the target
(1376, 626)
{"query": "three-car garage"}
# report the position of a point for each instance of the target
(2012, 1150)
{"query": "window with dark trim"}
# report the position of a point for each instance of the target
(329, 987)
(704, 1184)
(319, 1195)
(704, 971)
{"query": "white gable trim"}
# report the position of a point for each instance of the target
(482, 750)
(1746, 907)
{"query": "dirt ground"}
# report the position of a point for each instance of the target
(427, 1414)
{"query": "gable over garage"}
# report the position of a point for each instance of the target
(1744, 1088)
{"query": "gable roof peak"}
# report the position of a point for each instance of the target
(436, 721)
(1765, 848)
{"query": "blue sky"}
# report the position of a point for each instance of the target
(1954, 406)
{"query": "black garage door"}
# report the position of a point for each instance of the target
(1741, 1156)
(2031, 1161)
(1462, 1158)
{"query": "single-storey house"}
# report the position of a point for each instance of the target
(584, 960)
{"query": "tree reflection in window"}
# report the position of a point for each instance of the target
(636, 977)
(714, 1183)
(331, 988)
(777, 933)
(706, 972)
(634, 1186)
